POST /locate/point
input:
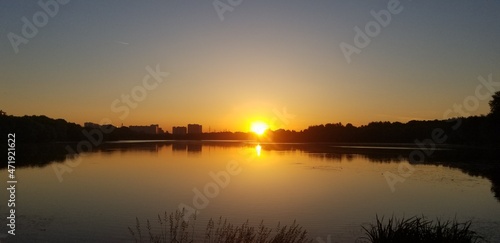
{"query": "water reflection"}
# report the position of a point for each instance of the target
(258, 149)
(194, 148)
(131, 146)
(325, 187)
(474, 162)
(179, 147)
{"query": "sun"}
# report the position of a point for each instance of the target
(259, 128)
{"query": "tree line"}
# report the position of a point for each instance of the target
(474, 130)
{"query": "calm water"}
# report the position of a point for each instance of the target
(328, 190)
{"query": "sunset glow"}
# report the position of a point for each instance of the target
(325, 117)
(259, 128)
(222, 72)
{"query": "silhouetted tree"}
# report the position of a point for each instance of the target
(495, 106)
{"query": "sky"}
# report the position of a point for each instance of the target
(277, 61)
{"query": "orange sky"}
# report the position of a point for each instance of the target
(262, 57)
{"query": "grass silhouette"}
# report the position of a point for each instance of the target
(419, 229)
(174, 229)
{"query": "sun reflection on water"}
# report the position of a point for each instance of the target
(258, 148)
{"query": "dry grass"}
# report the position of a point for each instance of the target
(174, 229)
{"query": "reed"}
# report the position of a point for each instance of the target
(419, 229)
(174, 229)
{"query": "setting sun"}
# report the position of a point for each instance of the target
(259, 128)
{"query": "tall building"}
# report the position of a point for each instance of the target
(194, 129)
(179, 130)
(160, 131)
(151, 129)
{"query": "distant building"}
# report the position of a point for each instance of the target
(160, 131)
(151, 129)
(179, 130)
(194, 129)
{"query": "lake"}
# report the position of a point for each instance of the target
(330, 190)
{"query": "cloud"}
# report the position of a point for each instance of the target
(121, 42)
